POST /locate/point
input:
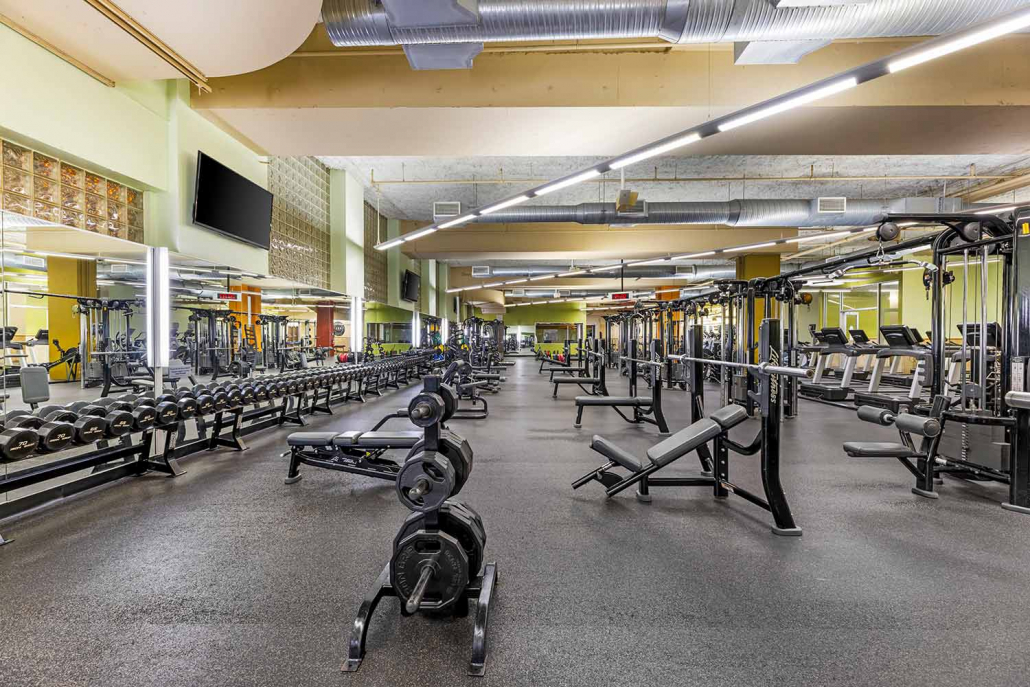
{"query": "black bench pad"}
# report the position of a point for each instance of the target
(317, 439)
(627, 401)
(729, 416)
(878, 449)
(388, 439)
(577, 380)
(684, 441)
(613, 452)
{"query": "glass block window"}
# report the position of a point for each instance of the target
(51, 189)
(375, 260)
(300, 220)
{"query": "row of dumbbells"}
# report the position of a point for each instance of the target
(52, 428)
(391, 364)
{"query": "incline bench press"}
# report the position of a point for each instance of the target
(715, 428)
(645, 409)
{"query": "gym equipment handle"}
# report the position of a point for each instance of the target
(1018, 399)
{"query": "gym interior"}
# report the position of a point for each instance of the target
(724, 301)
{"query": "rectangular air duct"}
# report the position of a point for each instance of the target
(481, 271)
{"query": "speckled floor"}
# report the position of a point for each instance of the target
(227, 576)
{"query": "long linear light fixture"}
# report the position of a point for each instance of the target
(910, 57)
(688, 256)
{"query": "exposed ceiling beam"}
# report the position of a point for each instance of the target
(981, 192)
(54, 50)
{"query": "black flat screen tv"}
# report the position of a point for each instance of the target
(231, 204)
(410, 286)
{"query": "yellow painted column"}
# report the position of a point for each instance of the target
(759, 265)
(73, 278)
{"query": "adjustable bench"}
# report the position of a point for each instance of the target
(693, 438)
(355, 452)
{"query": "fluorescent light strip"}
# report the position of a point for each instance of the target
(688, 256)
(993, 30)
(610, 268)
(456, 222)
(542, 276)
(504, 204)
(649, 262)
(751, 247)
(390, 244)
(997, 211)
(565, 183)
(419, 234)
(571, 274)
(803, 99)
(679, 142)
(492, 285)
(515, 281)
(805, 239)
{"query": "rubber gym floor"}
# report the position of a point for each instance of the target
(227, 576)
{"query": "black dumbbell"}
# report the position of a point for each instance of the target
(51, 435)
(16, 443)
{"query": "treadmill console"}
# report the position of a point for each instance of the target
(834, 336)
(858, 336)
(972, 334)
(916, 335)
(898, 336)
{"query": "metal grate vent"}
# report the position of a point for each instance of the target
(832, 205)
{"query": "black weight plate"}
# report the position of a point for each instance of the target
(449, 560)
(455, 522)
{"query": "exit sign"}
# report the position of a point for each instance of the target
(624, 296)
(233, 296)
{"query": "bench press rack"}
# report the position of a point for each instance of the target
(715, 469)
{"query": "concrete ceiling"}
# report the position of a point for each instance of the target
(726, 178)
(219, 38)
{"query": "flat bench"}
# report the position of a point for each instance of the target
(354, 451)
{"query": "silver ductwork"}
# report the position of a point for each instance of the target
(734, 213)
(368, 22)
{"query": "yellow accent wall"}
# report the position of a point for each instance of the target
(74, 278)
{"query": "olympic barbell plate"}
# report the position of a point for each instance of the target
(448, 559)
(455, 520)
(432, 471)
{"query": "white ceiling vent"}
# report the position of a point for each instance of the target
(832, 205)
(119, 269)
(518, 293)
(481, 271)
(32, 261)
(562, 293)
(446, 209)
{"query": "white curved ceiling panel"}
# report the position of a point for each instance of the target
(219, 38)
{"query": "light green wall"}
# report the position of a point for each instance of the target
(380, 313)
(346, 234)
(916, 308)
(170, 218)
(51, 105)
(530, 315)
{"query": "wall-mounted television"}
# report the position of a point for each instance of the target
(411, 285)
(231, 204)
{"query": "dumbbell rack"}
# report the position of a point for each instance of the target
(480, 588)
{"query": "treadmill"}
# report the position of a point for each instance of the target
(861, 340)
(901, 343)
(835, 342)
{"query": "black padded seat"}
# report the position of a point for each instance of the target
(346, 438)
(487, 376)
(895, 404)
(684, 441)
(317, 439)
(613, 452)
(729, 416)
(878, 449)
(577, 380)
(389, 439)
(612, 401)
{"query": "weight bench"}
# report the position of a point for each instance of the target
(929, 428)
(359, 453)
(595, 382)
(693, 438)
(642, 407)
